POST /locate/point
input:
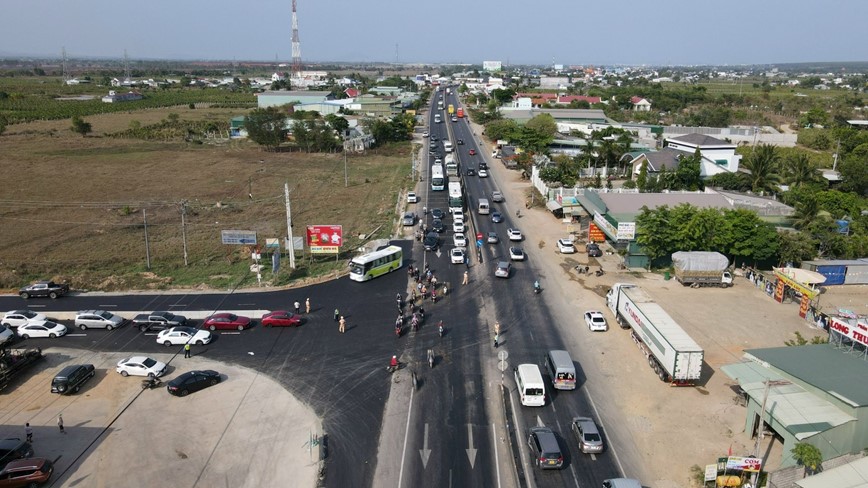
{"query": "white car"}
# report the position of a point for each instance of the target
(496, 196)
(177, 336)
(6, 335)
(46, 328)
(516, 253)
(17, 318)
(458, 214)
(458, 226)
(459, 240)
(596, 321)
(483, 173)
(99, 319)
(412, 198)
(141, 366)
(456, 255)
(565, 246)
(425, 134)
(514, 234)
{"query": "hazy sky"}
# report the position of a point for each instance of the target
(464, 31)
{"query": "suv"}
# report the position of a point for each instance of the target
(544, 447)
(26, 472)
(71, 378)
(14, 448)
(496, 196)
(97, 318)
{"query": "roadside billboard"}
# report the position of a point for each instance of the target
(238, 237)
(749, 464)
(325, 239)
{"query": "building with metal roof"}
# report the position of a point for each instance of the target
(850, 475)
(815, 394)
(278, 98)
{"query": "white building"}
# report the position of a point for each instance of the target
(491, 66)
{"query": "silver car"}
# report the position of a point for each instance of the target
(587, 434)
(502, 270)
(409, 219)
(97, 319)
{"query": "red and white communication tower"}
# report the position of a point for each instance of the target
(296, 45)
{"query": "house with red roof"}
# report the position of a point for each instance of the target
(567, 99)
(352, 92)
(640, 104)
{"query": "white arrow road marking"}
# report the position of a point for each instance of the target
(438, 253)
(539, 422)
(425, 452)
(471, 452)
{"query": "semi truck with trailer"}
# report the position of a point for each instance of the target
(14, 361)
(701, 268)
(671, 353)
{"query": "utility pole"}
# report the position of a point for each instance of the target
(184, 228)
(289, 227)
(760, 428)
(346, 179)
(147, 244)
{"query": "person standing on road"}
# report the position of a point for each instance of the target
(187, 350)
(496, 327)
(60, 423)
(343, 325)
(307, 305)
(466, 279)
(496, 337)
(28, 431)
(297, 307)
(337, 315)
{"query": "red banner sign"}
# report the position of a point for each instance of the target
(595, 234)
(325, 236)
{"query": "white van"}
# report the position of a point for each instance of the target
(531, 387)
(560, 368)
(483, 206)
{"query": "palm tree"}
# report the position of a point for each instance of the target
(806, 211)
(801, 170)
(764, 166)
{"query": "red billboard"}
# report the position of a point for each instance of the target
(324, 238)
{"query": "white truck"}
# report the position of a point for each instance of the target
(701, 268)
(671, 353)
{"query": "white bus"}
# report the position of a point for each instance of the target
(438, 179)
(376, 263)
(456, 197)
(531, 387)
(437, 119)
(447, 146)
(451, 165)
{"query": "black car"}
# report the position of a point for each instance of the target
(438, 214)
(437, 225)
(496, 217)
(431, 241)
(470, 172)
(70, 378)
(594, 250)
(483, 165)
(12, 449)
(460, 142)
(193, 381)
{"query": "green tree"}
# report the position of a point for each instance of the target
(688, 172)
(79, 126)
(642, 178)
(748, 237)
(505, 129)
(338, 123)
(801, 170)
(815, 116)
(653, 231)
(728, 181)
(266, 127)
(854, 171)
(544, 124)
(808, 456)
(3, 123)
(502, 96)
(764, 166)
(807, 209)
(795, 247)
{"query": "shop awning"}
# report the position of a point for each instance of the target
(553, 205)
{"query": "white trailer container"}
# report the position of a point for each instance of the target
(671, 353)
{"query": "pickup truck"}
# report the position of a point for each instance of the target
(158, 320)
(14, 361)
(44, 289)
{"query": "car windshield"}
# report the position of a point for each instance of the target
(105, 315)
(148, 362)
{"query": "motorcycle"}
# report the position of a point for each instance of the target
(536, 288)
(599, 272)
(430, 358)
(392, 368)
(398, 330)
(151, 383)
(440, 329)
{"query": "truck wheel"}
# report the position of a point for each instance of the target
(52, 295)
(25, 295)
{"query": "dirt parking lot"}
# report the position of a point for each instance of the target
(247, 431)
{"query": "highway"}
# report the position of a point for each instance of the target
(456, 429)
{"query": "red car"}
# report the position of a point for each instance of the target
(281, 318)
(473, 152)
(226, 321)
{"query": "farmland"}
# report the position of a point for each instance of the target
(74, 208)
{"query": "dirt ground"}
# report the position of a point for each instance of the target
(74, 208)
(671, 428)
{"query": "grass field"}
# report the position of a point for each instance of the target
(72, 207)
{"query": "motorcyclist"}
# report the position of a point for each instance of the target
(440, 328)
(536, 286)
(393, 364)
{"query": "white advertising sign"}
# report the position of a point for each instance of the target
(856, 331)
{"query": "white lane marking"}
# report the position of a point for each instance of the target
(76, 335)
(471, 452)
(425, 452)
(406, 435)
(106, 306)
(496, 458)
(611, 445)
